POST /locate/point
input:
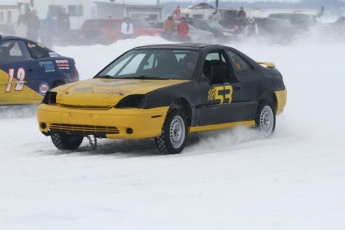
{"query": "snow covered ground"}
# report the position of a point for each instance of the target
(223, 180)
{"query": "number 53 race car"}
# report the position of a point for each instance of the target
(165, 92)
(28, 70)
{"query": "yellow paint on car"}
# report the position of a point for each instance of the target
(281, 97)
(9, 95)
(220, 126)
(267, 64)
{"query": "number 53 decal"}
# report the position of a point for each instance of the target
(222, 93)
(19, 83)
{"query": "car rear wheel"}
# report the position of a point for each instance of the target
(265, 120)
(66, 141)
(174, 133)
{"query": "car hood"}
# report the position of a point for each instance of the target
(107, 92)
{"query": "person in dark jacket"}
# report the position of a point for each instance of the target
(63, 26)
(33, 24)
(241, 13)
(241, 17)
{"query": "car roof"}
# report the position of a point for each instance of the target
(181, 45)
(10, 37)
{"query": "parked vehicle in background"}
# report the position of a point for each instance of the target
(195, 35)
(302, 21)
(220, 32)
(107, 30)
(278, 31)
(28, 70)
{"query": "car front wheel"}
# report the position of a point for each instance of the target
(265, 120)
(174, 133)
(66, 141)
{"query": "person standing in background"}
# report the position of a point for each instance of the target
(48, 30)
(127, 28)
(63, 26)
(21, 28)
(33, 24)
(241, 13)
(252, 27)
(183, 30)
(169, 27)
(241, 18)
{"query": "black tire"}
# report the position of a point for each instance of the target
(265, 119)
(65, 141)
(174, 133)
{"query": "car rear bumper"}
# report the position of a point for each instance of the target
(111, 123)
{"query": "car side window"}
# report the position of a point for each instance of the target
(149, 63)
(238, 62)
(12, 51)
(37, 51)
(216, 68)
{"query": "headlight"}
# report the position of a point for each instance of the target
(49, 98)
(132, 101)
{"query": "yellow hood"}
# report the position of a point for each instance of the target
(107, 92)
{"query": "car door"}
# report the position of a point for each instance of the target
(221, 97)
(248, 79)
(21, 72)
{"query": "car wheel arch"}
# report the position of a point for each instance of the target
(184, 105)
(270, 97)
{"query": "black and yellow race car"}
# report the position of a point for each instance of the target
(165, 92)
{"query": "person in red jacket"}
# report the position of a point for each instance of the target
(183, 30)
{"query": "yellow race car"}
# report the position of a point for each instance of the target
(165, 92)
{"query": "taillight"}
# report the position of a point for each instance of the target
(75, 74)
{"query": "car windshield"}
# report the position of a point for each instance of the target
(214, 25)
(153, 64)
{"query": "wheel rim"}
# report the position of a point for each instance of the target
(177, 132)
(266, 120)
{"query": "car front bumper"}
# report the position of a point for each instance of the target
(112, 123)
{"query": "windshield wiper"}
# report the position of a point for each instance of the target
(103, 76)
(144, 77)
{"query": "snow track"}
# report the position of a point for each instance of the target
(230, 179)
